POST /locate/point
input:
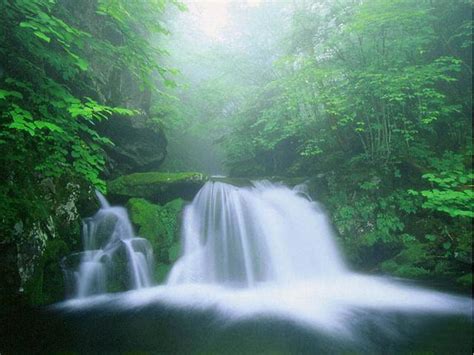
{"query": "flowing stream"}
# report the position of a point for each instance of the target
(250, 253)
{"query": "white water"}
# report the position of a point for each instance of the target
(269, 250)
(245, 237)
(109, 243)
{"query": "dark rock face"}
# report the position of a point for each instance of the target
(8, 273)
(137, 146)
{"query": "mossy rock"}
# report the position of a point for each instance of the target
(161, 272)
(158, 187)
(159, 224)
(174, 252)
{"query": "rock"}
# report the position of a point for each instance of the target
(162, 271)
(47, 283)
(138, 145)
(160, 226)
(158, 187)
(9, 274)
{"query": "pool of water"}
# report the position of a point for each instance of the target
(102, 326)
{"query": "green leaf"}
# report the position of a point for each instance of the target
(447, 245)
(82, 64)
(49, 126)
(5, 93)
(42, 36)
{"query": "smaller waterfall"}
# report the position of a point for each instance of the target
(113, 259)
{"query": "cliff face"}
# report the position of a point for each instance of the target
(139, 145)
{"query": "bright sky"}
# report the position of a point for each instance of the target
(213, 15)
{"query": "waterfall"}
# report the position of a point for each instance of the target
(247, 252)
(269, 249)
(113, 257)
(249, 236)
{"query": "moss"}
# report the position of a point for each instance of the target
(151, 178)
(161, 272)
(465, 280)
(160, 225)
(174, 252)
(146, 217)
(156, 186)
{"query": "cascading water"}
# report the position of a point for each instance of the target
(267, 234)
(251, 252)
(113, 257)
(277, 246)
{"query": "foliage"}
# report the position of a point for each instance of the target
(451, 183)
(374, 97)
(58, 59)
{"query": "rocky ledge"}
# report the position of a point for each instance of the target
(158, 187)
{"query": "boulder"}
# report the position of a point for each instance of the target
(138, 144)
(160, 225)
(157, 187)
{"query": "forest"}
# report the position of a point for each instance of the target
(368, 102)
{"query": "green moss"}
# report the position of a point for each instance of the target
(161, 272)
(147, 218)
(156, 186)
(152, 178)
(174, 252)
(465, 280)
(160, 225)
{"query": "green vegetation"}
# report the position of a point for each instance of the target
(370, 101)
(66, 68)
(161, 226)
(156, 186)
